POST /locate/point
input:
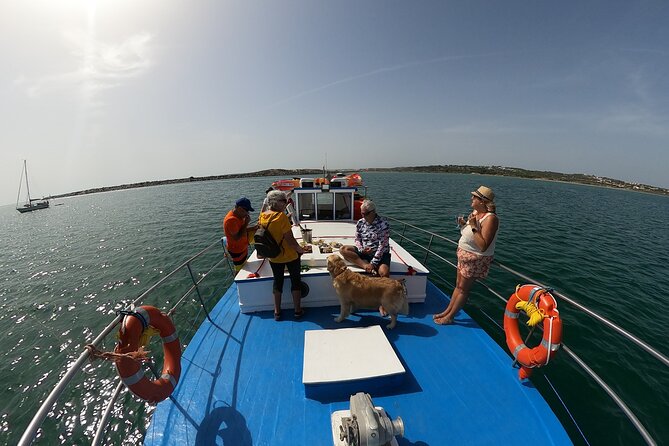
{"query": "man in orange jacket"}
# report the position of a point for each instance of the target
(237, 231)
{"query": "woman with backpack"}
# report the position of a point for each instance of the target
(278, 227)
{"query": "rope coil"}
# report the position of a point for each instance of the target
(535, 314)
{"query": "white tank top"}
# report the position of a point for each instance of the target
(467, 240)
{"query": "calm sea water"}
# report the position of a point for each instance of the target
(65, 270)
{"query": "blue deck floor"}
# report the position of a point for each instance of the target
(241, 384)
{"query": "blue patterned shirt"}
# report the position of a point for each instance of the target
(375, 235)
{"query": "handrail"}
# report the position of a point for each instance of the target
(41, 414)
(619, 402)
(659, 356)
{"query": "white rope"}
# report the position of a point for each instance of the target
(550, 341)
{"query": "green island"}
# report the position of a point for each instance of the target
(577, 178)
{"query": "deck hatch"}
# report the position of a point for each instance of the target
(336, 361)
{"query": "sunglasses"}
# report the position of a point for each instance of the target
(364, 214)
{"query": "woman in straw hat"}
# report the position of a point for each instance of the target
(475, 250)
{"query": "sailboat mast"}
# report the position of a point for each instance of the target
(18, 195)
(25, 168)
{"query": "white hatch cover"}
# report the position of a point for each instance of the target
(348, 354)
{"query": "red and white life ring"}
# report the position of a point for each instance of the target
(540, 305)
(131, 371)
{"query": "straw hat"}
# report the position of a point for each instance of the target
(484, 193)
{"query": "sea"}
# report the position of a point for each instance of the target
(66, 270)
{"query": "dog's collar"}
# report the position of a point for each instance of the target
(343, 270)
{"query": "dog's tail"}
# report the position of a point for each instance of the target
(405, 304)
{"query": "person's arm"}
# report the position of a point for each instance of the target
(289, 239)
(484, 233)
(358, 237)
(384, 243)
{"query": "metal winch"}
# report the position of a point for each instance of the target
(368, 425)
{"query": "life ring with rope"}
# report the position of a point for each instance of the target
(540, 305)
(137, 328)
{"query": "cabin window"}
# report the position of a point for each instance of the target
(325, 201)
(320, 205)
(342, 205)
(306, 207)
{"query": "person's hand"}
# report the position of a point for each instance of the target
(369, 268)
(366, 250)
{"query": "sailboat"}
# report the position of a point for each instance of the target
(32, 204)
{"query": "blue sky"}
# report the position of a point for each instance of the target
(100, 93)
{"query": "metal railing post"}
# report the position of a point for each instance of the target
(427, 250)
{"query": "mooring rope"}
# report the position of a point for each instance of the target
(141, 355)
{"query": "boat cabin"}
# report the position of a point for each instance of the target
(327, 202)
(319, 199)
(327, 213)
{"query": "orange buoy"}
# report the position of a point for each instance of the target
(131, 372)
(540, 305)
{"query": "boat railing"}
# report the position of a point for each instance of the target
(427, 248)
(38, 419)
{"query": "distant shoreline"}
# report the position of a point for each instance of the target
(482, 170)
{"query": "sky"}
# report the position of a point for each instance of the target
(108, 92)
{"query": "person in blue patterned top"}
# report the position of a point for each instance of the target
(372, 246)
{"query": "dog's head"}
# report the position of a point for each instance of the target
(336, 265)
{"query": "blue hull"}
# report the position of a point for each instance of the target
(241, 384)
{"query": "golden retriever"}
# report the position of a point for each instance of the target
(358, 291)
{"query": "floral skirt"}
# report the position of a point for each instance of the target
(473, 265)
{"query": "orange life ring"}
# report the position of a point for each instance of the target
(131, 371)
(544, 304)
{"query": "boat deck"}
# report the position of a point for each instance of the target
(241, 383)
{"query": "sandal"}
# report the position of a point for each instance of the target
(299, 314)
(277, 316)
